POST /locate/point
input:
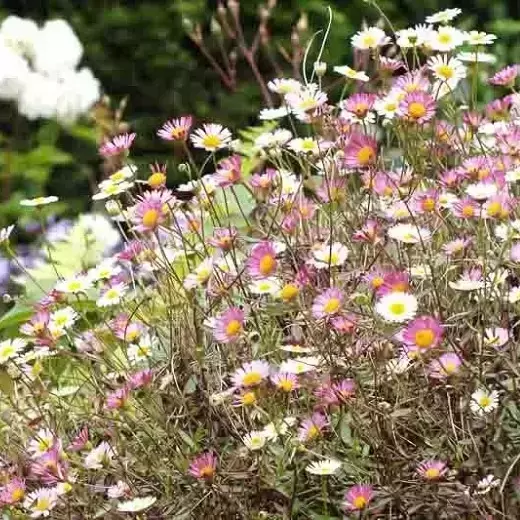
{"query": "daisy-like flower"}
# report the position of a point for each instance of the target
(328, 304)
(358, 497)
(446, 365)
(119, 144)
(444, 16)
(480, 38)
(483, 401)
(409, 234)
(360, 151)
(11, 348)
(127, 172)
(397, 307)
(423, 333)
(269, 114)
(447, 69)
(262, 261)
(204, 466)
(409, 38)
(38, 201)
(151, 210)
(301, 365)
(99, 456)
(229, 171)
(200, 275)
(313, 427)
(254, 440)
(285, 381)
(43, 442)
(304, 145)
(111, 189)
(476, 57)
(74, 285)
(143, 349)
(284, 86)
(465, 208)
(446, 39)
(481, 191)
(329, 255)
(432, 469)
(496, 337)
(273, 430)
(112, 296)
(118, 490)
(486, 484)
(64, 318)
(471, 280)
(388, 106)
(13, 492)
(265, 286)
(307, 99)
(176, 129)
(41, 502)
(417, 107)
(251, 374)
(370, 38)
(5, 233)
(136, 504)
(229, 326)
(348, 72)
(506, 77)
(211, 137)
(323, 467)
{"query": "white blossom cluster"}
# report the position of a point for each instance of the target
(39, 70)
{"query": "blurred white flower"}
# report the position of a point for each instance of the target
(19, 34)
(14, 73)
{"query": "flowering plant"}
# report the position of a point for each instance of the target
(320, 323)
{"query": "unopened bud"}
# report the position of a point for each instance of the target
(295, 38)
(264, 14)
(233, 57)
(320, 67)
(112, 208)
(303, 23)
(7, 298)
(184, 167)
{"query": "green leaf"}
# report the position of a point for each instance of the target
(16, 316)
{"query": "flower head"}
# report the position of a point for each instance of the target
(432, 469)
(358, 497)
(328, 304)
(370, 38)
(204, 466)
(262, 261)
(176, 129)
(323, 467)
(41, 502)
(211, 137)
(397, 306)
(423, 333)
(483, 401)
(229, 325)
(39, 201)
(417, 107)
(313, 427)
(119, 144)
(251, 374)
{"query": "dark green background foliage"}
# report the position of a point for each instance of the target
(140, 49)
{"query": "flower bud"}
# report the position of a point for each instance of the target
(320, 67)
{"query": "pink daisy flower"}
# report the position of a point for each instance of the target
(251, 374)
(499, 207)
(446, 365)
(228, 171)
(13, 492)
(452, 178)
(151, 210)
(312, 427)
(375, 279)
(358, 497)
(359, 105)
(414, 81)
(117, 399)
(127, 330)
(456, 246)
(327, 304)
(344, 389)
(514, 254)
(426, 201)
(465, 208)
(204, 466)
(344, 324)
(423, 333)
(499, 109)
(417, 107)
(370, 232)
(223, 238)
(432, 469)
(229, 325)
(285, 381)
(394, 281)
(360, 151)
(80, 440)
(262, 261)
(264, 181)
(505, 77)
(119, 144)
(176, 129)
(140, 379)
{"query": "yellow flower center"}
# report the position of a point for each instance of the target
(360, 109)
(369, 40)
(313, 432)
(494, 209)
(267, 264)
(233, 328)
(252, 378)
(17, 495)
(468, 211)
(150, 218)
(377, 282)
(249, 399)
(211, 141)
(449, 367)
(42, 504)
(424, 338)
(289, 292)
(286, 385)
(207, 472)
(178, 133)
(74, 286)
(397, 308)
(432, 473)
(365, 155)
(156, 180)
(445, 71)
(428, 205)
(444, 38)
(332, 306)
(416, 110)
(359, 502)
(484, 401)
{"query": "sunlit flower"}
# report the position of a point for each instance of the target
(251, 374)
(118, 490)
(300, 365)
(358, 497)
(41, 502)
(11, 348)
(423, 333)
(446, 39)
(211, 137)
(496, 337)
(409, 234)
(444, 16)
(328, 304)
(506, 77)
(262, 261)
(269, 114)
(313, 427)
(357, 75)
(481, 190)
(254, 440)
(471, 280)
(119, 144)
(397, 307)
(111, 189)
(323, 467)
(12, 492)
(41, 443)
(432, 469)
(446, 365)
(136, 504)
(417, 107)
(176, 129)
(151, 210)
(483, 401)
(306, 99)
(360, 151)
(74, 285)
(447, 69)
(99, 456)
(329, 255)
(284, 86)
(370, 38)
(285, 381)
(486, 484)
(480, 38)
(39, 201)
(204, 466)
(64, 318)
(409, 38)
(265, 286)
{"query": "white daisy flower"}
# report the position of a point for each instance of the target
(300, 365)
(112, 296)
(444, 16)
(42, 442)
(41, 502)
(10, 348)
(483, 401)
(211, 137)
(511, 230)
(495, 337)
(200, 274)
(481, 191)
(397, 306)
(446, 69)
(323, 467)
(126, 172)
(306, 99)
(38, 201)
(254, 440)
(105, 270)
(268, 114)
(348, 72)
(480, 38)
(476, 57)
(136, 504)
(446, 39)
(409, 234)
(143, 350)
(5, 233)
(284, 86)
(304, 145)
(64, 318)
(272, 431)
(388, 106)
(486, 484)
(110, 189)
(265, 286)
(99, 456)
(410, 37)
(329, 255)
(74, 285)
(370, 38)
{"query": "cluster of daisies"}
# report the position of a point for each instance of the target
(328, 307)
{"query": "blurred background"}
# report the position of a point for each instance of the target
(154, 60)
